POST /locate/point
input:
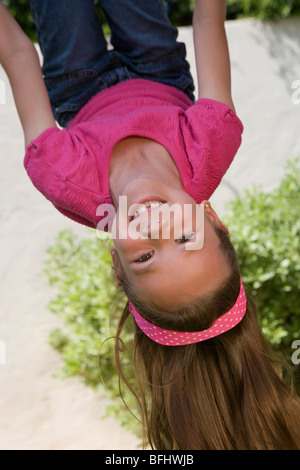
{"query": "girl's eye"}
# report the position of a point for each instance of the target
(185, 238)
(145, 257)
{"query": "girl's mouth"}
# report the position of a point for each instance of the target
(146, 206)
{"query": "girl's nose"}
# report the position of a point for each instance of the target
(154, 229)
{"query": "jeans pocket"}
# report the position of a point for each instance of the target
(69, 84)
(69, 93)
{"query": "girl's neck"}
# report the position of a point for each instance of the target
(137, 158)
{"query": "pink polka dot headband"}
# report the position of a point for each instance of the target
(177, 338)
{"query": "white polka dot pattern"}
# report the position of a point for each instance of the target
(177, 338)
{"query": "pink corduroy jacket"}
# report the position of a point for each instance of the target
(70, 167)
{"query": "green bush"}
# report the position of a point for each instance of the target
(180, 11)
(265, 229)
(262, 9)
(81, 273)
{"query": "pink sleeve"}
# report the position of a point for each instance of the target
(213, 135)
(63, 169)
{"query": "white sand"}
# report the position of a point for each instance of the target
(37, 410)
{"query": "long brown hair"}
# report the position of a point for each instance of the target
(222, 394)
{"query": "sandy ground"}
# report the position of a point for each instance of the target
(38, 410)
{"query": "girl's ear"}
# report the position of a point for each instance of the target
(116, 263)
(208, 210)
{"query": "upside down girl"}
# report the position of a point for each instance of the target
(129, 125)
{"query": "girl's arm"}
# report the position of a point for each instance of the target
(211, 51)
(21, 63)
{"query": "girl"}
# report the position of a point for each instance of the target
(132, 129)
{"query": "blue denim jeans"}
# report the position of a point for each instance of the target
(77, 63)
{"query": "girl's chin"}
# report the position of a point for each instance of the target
(142, 190)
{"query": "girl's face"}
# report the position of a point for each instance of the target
(170, 256)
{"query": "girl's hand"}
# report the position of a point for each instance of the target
(20, 61)
(211, 51)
